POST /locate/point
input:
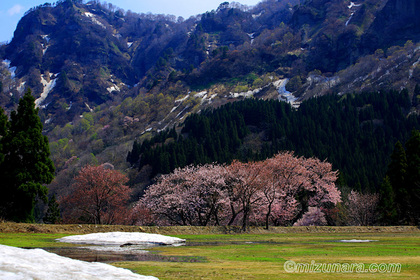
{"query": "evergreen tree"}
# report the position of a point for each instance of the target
(416, 95)
(396, 173)
(386, 205)
(3, 129)
(52, 216)
(413, 176)
(27, 166)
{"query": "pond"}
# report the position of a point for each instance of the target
(109, 254)
(150, 252)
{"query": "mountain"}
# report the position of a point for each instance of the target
(103, 76)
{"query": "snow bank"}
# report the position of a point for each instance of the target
(17, 263)
(122, 238)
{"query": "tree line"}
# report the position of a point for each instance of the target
(400, 189)
(355, 132)
(277, 191)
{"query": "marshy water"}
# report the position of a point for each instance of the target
(109, 254)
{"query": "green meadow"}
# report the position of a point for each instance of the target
(263, 255)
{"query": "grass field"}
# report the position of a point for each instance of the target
(263, 255)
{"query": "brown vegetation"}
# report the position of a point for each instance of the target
(10, 227)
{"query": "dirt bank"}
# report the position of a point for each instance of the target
(83, 229)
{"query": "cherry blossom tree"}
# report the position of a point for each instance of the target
(314, 217)
(292, 184)
(275, 191)
(284, 176)
(188, 196)
(245, 181)
(99, 196)
(362, 208)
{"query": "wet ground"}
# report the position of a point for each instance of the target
(109, 254)
(117, 254)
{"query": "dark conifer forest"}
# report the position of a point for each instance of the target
(355, 132)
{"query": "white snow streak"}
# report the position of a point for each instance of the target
(351, 16)
(182, 99)
(352, 4)
(411, 71)
(94, 20)
(247, 94)
(48, 86)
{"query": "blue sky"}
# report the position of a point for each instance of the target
(12, 11)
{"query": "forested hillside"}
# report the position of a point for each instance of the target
(356, 133)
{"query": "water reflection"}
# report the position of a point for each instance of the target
(109, 254)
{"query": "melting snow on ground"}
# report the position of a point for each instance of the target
(113, 88)
(21, 87)
(284, 94)
(247, 94)
(352, 4)
(48, 86)
(94, 20)
(12, 70)
(17, 263)
(122, 238)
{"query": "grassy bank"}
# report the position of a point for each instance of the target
(222, 253)
(10, 227)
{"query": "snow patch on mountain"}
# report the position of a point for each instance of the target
(94, 20)
(46, 38)
(12, 70)
(352, 4)
(254, 16)
(21, 87)
(247, 94)
(182, 99)
(45, 46)
(284, 94)
(113, 88)
(48, 86)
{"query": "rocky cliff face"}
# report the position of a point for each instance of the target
(397, 22)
